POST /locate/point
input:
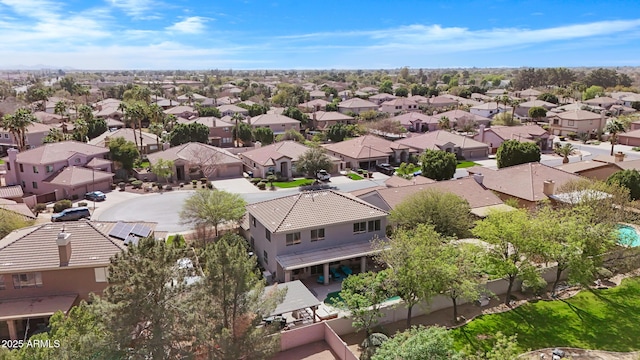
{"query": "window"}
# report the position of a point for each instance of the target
(35, 169)
(359, 227)
(21, 168)
(24, 185)
(252, 242)
(27, 280)
(2, 286)
(556, 122)
(265, 256)
(293, 238)
(374, 225)
(77, 160)
(153, 147)
(49, 169)
(227, 140)
(34, 184)
(253, 220)
(101, 274)
(6, 136)
(317, 269)
(8, 166)
(226, 129)
(317, 234)
(571, 122)
(267, 234)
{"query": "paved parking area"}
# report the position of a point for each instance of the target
(238, 186)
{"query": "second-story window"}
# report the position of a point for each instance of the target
(359, 227)
(35, 169)
(34, 184)
(49, 168)
(267, 234)
(27, 280)
(374, 225)
(293, 238)
(253, 220)
(317, 234)
(2, 285)
(21, 168)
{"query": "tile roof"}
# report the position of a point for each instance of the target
(179, 110)
(517, 132)
(435, 139)
(523, 181)
(35, 248)
(330, 116)
(400, 102)
(75, 175)
(532, 103)
(580, 166)
(629, 134)
(18, 208)
(604, 100)
(60, 151)
(409, 118)
(35, 307)
(357, 103)
(328, 207)
(530, 92)
(383, 96)
(466, 188)
(127, 133)
(212, 122)
(267, 155)
(47, 118)
(576, 106)
(8, 192)
(491, 106)
(442, 101)
(196, 152)
(233, 108)
(111, 123)
(314, 103)
(271, 119)
(364, 147)
(397, 181)
(578, 115)
(455, 115)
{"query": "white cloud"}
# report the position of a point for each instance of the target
(133, 8)
(190, 25)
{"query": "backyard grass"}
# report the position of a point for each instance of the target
(143, 164)
(292, 184)
(354, 176)
(599, 320)
(465, 164)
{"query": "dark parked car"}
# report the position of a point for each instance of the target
(72, 214)
(95, 196)
(386, 169)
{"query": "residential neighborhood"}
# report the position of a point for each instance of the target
(343, 212)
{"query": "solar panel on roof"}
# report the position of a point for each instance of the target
(121, 230)
(132, 239)
(141, 230)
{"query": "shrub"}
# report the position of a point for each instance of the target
(136, 184)
(113, 186)
(168, 187)
(255, 181)
(636, 148)
(40, 207)
(572, 135)
(204, 186)
(210, 186)
(74, 197)
(194, 182)
(604, 273)
(61, 205)
(262, 185)
(181, 185)
(203, 180)
(122, 185)
(536, 286)
(82, 204)
(131, 180)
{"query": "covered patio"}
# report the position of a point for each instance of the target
(333, 259)
(299, 305)
(17, 314)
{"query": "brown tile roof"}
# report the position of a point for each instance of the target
(400, 102)
(604, 100)
(364, 147)
(179, 110)
(267, 155)
(18, 208)
(532, 103)
(574, 107)
(580, 166)
(233, 108)
(397, 181)
(127, 133)
(409, 118)
(60, 151)
(419, 99)
(97, 162)
(312, 209)
(435, 139)
(442, 101)
(578, 115)
(212, 122)
(111, 123)
(196, 152)
(75, 175)
(629, 134)
(9, 192)
(35, 248)
(523, 181)
(383, 96)
(330, 116)
(272, 119)
(455, 115)
(530, 92)
(47, 118)
(466, 188)
(357, 103)
(517, 132)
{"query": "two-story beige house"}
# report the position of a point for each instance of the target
(576, 121)
(314, 234)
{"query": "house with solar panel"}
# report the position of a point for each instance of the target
(320, 236)
(53, 266)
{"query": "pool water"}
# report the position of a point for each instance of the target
(627, 235)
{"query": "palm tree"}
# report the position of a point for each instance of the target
(60, 109)
(17, 124)
(444, 123)
(80, 130)
(564, 151)
(236, 117)
(614, 127)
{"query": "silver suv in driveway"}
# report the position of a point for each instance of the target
(72, 214)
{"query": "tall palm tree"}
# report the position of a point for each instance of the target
(236, 117)
(444, 123)
(564, 150)
(80, 130)
(60, 109)
(614, 127)
(17, 124)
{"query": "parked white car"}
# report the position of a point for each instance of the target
(323, 175)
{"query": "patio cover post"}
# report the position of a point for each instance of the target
(363, 264)
(287, 275)
(13, 332)
(325, 268)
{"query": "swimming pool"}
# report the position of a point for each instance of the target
(627, 235)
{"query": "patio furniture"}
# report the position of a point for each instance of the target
(320, 279)
(336, 274)
(346, 270)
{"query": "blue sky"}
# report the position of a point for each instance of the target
(348, 34)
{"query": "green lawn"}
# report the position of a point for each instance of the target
(143, 164)
(465, 164)
(354, 176)
(602, 320)
(292, 184)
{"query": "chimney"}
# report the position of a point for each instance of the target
(107, 141)
(548, 187)
(481, 129)
(618, 157)
(257, 144)
(165, 146)
(64, 247)
(479, 178)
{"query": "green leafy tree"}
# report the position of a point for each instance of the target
(337, 132)
(263, 135)
(438, 165)
(548, 97)
(433, 343)
(629, 179)
(411, 256)
(505, 119)
(614, 127)
(10, 221)
(513, 152)
(503, 348)
(243, 133)
(192, 132)
(312, 161)
(157, 129)
(449, 214)
(230, 303)
(60, 109)
(145, 308)
(386, 87)
(461, 276)
(406, 170)
(362, 294)
(96, 127)
(537, 113)
(123, 151)
(295, 113)
(512, 243)
(207, 111)
(291, 134)
(163, 169)
(213, 208)
(55, 135)
(80, 130)
(592, 92)
(444, 123)
(17, 124)
(402, 92)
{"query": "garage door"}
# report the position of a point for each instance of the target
(229, 171)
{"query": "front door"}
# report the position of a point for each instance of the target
(284, 169)
(180, 173)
